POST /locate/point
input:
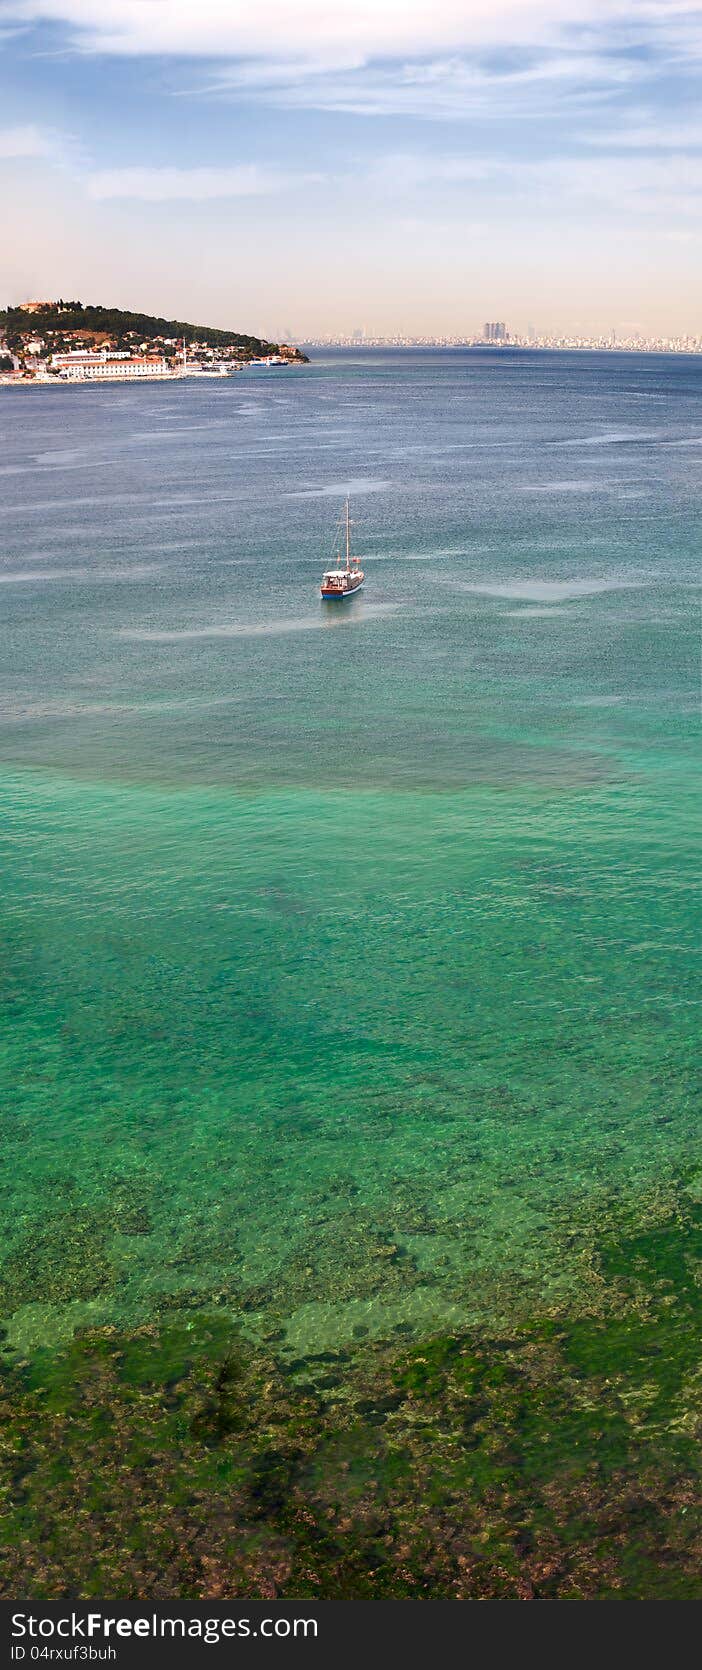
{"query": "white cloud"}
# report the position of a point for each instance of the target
(233, 28)
(432, 59)
(648, 185)
(623, 183)
(403, 172)
(444, 88)
(436, 59)
(164, 185)
(656, 135)
(26, 141)
(347, 29)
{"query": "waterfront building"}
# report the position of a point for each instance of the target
(80, 365)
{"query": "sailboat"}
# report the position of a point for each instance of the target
(340, 582)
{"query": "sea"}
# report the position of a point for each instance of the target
(348, 963)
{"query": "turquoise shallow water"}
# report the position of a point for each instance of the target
(349, 958)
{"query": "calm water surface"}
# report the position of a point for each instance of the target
(348, 963)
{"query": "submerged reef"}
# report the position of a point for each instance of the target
(557, 1461)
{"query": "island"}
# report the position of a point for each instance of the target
(67, 342)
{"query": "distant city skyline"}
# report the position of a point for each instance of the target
(291, 169)
(683, 342)
(555, 341)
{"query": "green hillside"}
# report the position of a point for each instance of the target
(58, 320)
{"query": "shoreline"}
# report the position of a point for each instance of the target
(130, 382)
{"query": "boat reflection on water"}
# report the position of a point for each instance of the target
(354, 612)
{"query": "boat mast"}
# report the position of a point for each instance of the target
(348, 538)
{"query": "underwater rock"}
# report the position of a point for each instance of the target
(66, 1260)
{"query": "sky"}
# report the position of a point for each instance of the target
(308, 167)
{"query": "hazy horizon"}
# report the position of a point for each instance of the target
(407, 169)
